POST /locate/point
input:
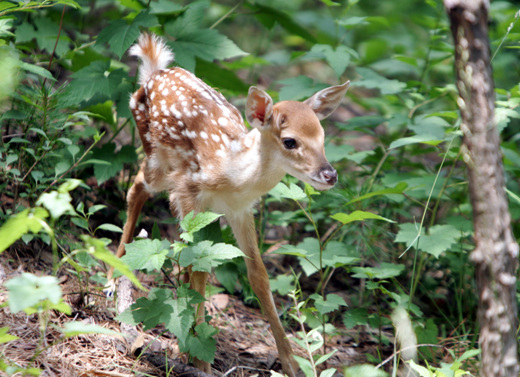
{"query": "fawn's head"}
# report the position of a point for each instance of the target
(294, 132)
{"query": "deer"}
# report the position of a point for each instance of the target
(198, 150)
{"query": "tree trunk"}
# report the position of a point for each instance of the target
(496, 252)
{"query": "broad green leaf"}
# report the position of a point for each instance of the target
(110, 228)
(439, 239)
(384, 271)
(57, 203)
(182, 318)
(191, 224)
(203, 346)
(400, 188)
(220, 78)
(423, 372)
(338, 152)
(94, 79)
(76, 328)
(336, 254)
(352, 22)
(416, 139)
(269, 17)
(297, 88)
(354, 317)
(331, 371)
(40, 71)
(98, 249)
(358, 216)
(156, 309)
(120, 35)
(364, 370)
(29, 290)
(191, 40)
(5, 337)
(29, 220)
(146, 254)
(338, 58)
(373, 80)
(103, 172)
(331, 303)
(283, 284)
(204, 255)
(293, 191)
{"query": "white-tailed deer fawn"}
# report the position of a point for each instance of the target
(199, 151)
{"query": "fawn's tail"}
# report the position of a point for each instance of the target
(154, 54)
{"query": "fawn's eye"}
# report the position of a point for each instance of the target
(289, 143)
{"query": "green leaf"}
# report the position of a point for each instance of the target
(204, 255)
(330, 304)
(297, 88)
(191, 224)
(94, 79)
(156, 309)
(364, 370)
(98, 249)
(76, 328)
(355, 317)
(182, 318)
(416, 139)
(203, 346)
(29, 220)
(293, 191)
(40, 71)
(283, 284)
(146, 254)
(384, 271)
(336, 254)
(438, 240)
(103, 172)
(358, 216)
(120, 35)
(5, 337)
(192, 40)
(338, 58)
(110, 228)
(57, 203)
(269, 17)
(28, 290)
(373, 80)
(400, 188)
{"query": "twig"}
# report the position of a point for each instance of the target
(73, 166)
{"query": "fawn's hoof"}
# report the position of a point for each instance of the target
(110, 288)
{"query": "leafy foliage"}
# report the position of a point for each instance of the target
(397, 222)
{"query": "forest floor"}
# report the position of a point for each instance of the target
(245, 345)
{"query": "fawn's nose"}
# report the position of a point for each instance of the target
(329, 175)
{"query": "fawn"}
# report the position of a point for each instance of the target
(199, 151)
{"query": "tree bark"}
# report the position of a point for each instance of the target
(496, 251)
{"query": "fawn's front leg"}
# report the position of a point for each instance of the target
(243, 226)
(137, 196)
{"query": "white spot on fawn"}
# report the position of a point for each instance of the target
(222, 121)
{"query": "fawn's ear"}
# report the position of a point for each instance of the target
(259, 108)
(326, 101)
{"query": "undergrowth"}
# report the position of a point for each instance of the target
(395, 232)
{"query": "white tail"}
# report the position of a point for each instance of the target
(199, 151)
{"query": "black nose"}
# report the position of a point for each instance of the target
(329, 175)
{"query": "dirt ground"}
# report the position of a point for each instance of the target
(245, 346)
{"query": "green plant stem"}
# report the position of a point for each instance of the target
(443, 188)
(511, 25)
(377, 169)
(228, 13)
(304, 334)
(55, 45)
